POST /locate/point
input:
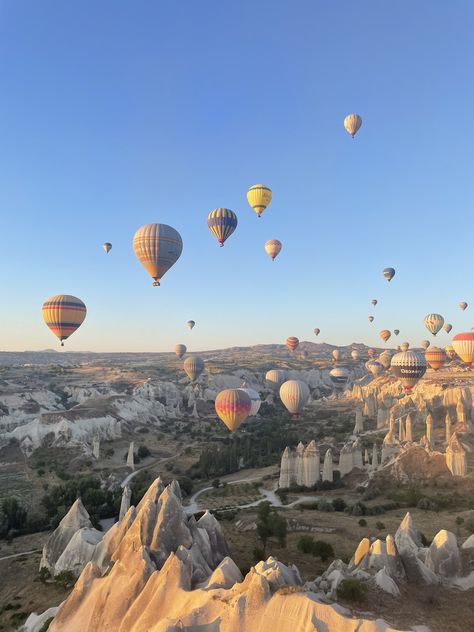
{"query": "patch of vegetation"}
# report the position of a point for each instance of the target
(270, 525)
(352, 590)
(362, 522)
(318, 548)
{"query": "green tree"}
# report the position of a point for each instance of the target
(14, 514)
(270, 525)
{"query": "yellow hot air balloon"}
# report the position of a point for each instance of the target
(233, 406)
(259, 197)
(157, 247)
(63, 314)
(352, 123)
(273, 248)
(385, 334)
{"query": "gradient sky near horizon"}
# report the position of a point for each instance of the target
(116, 113)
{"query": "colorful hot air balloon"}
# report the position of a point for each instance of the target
(389, 273)
(433, 323)
(222, 222)
(371, 352)
(294, 394)
(316, 331)
(405, 346)
(190, 324)
(425, 344)
(385, 334)
(107, 246)
(339, 377)
(233, 406)
(336, 354)
(371, 319)
(255, 400)
(355, 354)
(180, 350)
(463, 305)
(435, 357)
(396, 331)
(374, 301)
(292, 342)
(385, 359)
(447, 328)
(464, 346)
(409, 367)
(157, 247)
(275, 378)
(273, 248)
(375, 367)
(450, 352)
(259, 197)
(194, 366)
(352, 123)
(63, 314)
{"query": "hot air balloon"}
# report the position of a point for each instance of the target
(292, 342)
(157, 247)
(375, 367)
(463, 305)
(447, 328)
(180, 350)
(355, 354)
(464, 346)
(336, 354)
(107, 246)
(435, 357)
(352, 123)
(294, 394)
(273, 248)
(339, 377)
(385, 359)
(389, 273)
(194, 366)
(259, 197)
(425, 344)
(316, 331)
(405, 346)
(396, 331)
(371, 352)
(222, 222)
(374, 301)
(63, 314)
(385, 334)
(255, 400)
(433, 323)
(275, 378)
(233, 406)
(450, 352)
(304, 354)
(190, 324)
(409, 367)
(371, 319)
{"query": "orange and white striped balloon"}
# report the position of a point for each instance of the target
(464, 346)
(435, 357)
(273, 248)
(63, 314)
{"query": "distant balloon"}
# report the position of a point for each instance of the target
(375, 367)
(194, 366)
(409, 367)
(405, 346)
(107, 247)
(389, 273)
(385, 359)
(339, 377)
(385, 334)
(463, 305)
(222, 222)
(63, 314)
(371, 319)
(352, 124)
(374, 301)
(354, 354)
(396, 331)
(157, 247)
(190, 324)
(259, 197)
(294, 394)
(275, 378)
(435, 357)
(433, 323)
(371, 352)
(180, 350)
(273, 248)
(425, 344)
(292, 343)
(336, 354)
(255, 400)
(450, 352)
(447, 328)
(316, 331)
(233, 406)
(464, 346)
(304, 354)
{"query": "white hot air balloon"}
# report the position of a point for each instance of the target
(294, 394)
(255, 399)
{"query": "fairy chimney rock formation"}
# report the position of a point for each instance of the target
(456, 458)
(299, 465)
(130, 457)
(311, 464)
(328, 466)
(287, 469)
(125, 503)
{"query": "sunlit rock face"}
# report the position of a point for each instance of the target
(456, 457)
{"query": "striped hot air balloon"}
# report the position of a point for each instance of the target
(385, 334)
(292, 343)
(275, 378)
(463, 344)
(63, 314)
(259, 197)
(273, 248)
(233, 406)
(435, 357)
(193, 366)
(180, 350)
(222, 222)
(157, 247)
(447, 328)
(294, 394)
(385, 359)
(107, 247)
(433, 323)
(409, 367)
(389, 273)
(352, 124)
(255, 400)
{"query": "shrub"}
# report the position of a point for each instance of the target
(215, 483)
(380, 525)
(459, 520)
(427, 504)
(305, 544)
(362, 522)
(323, 550)
(325, 505)
(143, 452)
(339, 504)
(352, 590)
(186, 484)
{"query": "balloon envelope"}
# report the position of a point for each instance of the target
(316, 331)
(275, 378)
(447, 328)
(339, 376)
(371, 352)
(385, 334)
(463, 305)
(194, 366)
(371, 319)
(425, 344)
(374, 301)
(435, 357)
(409, 367)
(352, 124)
(222, 222)
(463, 344)
(396, 331)
(354, 354)
(259, 197)
(180, 350)
(63, 314)
(389, 273)
(405, 346)
(294, 394)
(233, 406)
(385, 359)
(433, 323)
(292, 343)
(255, 400)
(336, 354)
(273, 248)
(450, 352)
(375, 367)
(190, 324)
(157, 247)
(107, 246)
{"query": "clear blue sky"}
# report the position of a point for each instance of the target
(116, 113)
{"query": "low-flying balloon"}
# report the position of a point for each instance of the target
(447, 328)
(435, 357)
(433, 323)
(157, 247)
(222, 222)
(63, 314)
(371, 352)
(385, 334)
(385, 359)
(463, 305)
(294, 394)
(352, 124)
(292, 343)
(389, 273)
(375, 367)
(194, 366)
(336, 354)
(233, 406)
(374, 301)
(339, 377)
(255, 400)
(259, 197)
(190, 324)
(425, 344)
(354, 354)
(180, 350)
(273, 248)
(404, 346)
(275, 378)
(107, 246)
(316, 331)
(463, 344)
(408, 367)
(371, 319)
(450, 352)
